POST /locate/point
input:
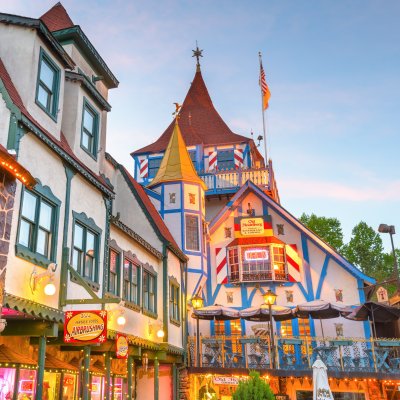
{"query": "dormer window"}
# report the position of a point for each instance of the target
(90, 129)
(48, 85)
(225, 160)
(154, 165)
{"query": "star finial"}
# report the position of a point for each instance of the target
(197, 53)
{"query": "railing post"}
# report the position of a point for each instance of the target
(373, 353)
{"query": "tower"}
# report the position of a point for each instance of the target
(178, 194)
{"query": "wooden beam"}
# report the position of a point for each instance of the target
(92, 301)
(31, 328)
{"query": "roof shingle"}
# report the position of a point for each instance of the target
(57, 18)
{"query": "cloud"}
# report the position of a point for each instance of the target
(384, 191)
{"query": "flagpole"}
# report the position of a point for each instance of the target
(262, 112)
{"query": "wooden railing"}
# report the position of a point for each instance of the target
(220, 181)
(296, 353)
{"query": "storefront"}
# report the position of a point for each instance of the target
(17, 375)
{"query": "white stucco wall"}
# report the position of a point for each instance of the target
(4, 122)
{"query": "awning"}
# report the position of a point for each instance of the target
(36, 310)
(254, 241)
(11, 357)
(54, 363)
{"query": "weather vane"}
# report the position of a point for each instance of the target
(197, 53)
(177, 109)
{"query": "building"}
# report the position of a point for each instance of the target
(241, 243)
(92, 281)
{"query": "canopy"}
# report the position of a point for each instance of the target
(322, 391)
(54, 363)
(10, 356)
(376, 312)
(216, 312)
(321, 309)
(261, 313)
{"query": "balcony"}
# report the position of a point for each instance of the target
(357, 357)
(225, 182)
(239, 277)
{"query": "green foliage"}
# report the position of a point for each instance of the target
(365, 250)
(328, 229)
(254, 388)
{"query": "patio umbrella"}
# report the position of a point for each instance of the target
(374, 312)
(216, 312)
(261, 313)
(321, 389)
(321, 309)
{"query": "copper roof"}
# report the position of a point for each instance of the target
(8, 355)
(199, 122)
(52, 362)
(57, 18)
(176, 164)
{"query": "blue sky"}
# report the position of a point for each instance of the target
(333, 71)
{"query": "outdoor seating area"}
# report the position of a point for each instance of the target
(297, 353)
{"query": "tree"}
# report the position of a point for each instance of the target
(365, 250)
(254, 388)
(328, 229)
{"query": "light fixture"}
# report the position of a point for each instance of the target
(160, 333)
(269, 297)
(50, 288)
(197, 302)
(121, 320)
(157, 328)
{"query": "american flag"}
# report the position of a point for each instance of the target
(266, 94)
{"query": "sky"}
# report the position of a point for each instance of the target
(333, 72)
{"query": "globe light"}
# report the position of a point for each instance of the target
(50, 289)
(121, 320)
(160, 333)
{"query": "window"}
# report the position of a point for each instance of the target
(38, 224)
(225, 160)
(154, 165)
(149, 292)
(192, 232)
(257, 263)
(90, 129)
(174, 294)
(219, 327)
(286, 328)
(192, 155)
(85, 251)
(130, 291)
(48, 85)
(114, 273)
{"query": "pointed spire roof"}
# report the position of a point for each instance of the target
(176, 164)
(199, 122)
(57, 18)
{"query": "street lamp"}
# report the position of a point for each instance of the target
(269, 300)
(383, 228)
(197, 302)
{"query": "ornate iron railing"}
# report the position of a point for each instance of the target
(220, 181)
(296, 353)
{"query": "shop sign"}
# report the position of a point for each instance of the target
(382, 295)
(226, 380)
(85, 326)
(122, 346)
(253, 226)
(256, 254)
(68, 381)
(281, 397)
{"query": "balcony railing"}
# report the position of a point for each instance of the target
(225, 181)
(297, 353)
(236, 277)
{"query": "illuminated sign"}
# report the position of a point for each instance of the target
(85, 326)
(253, 226)
(226, 380)
(256, 255)
(122, 345)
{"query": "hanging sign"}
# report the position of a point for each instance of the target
(382, 295)
(85, 326)
(122, 346)
(253, 226)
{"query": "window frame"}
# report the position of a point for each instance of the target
(117, 291)
(96, 128)
(89, 225)
(52, 110)
(198, 233)
(174, 302)
(148, 270)
(29, 253)
(220, 153)
(133, 264)
(152, 168)
(259, 274)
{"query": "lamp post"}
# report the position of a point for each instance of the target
(197, 302)
(383, 228)
(269, 300)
